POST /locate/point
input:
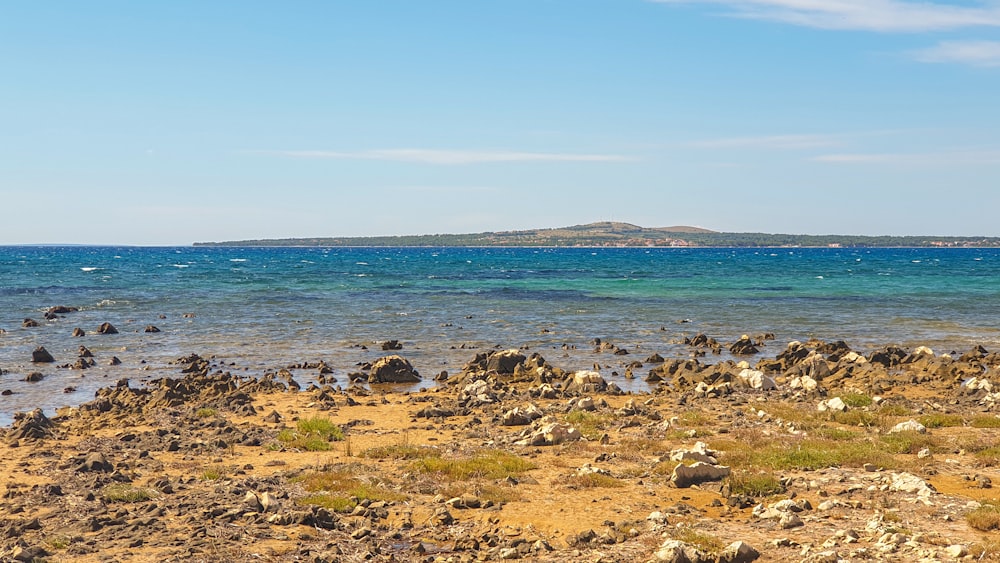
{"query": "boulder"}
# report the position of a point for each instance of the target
(909, 426)
(62, 310)
(476, 394)
(686, 475)
(393, 369)
(738, 552)
(676, 551)
(151, 328)
(504, 362)
(94, 462)
(29, 323)
(77, 332)
(41, 356)
(391, 345)
(699, 452)
(757, 380)
(743, 347)
(586, 382)
(33, 425)
(835, 404)
(550, 433)
(107, 328)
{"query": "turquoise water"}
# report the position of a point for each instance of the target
(270, 307)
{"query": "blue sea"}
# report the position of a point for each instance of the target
(266, 308)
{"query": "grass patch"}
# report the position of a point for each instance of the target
(990, 457)
(311, 434)
(58, 542)
(909, 442)
(940, 420)
(205, 412)
(836, 434)
(123, 492)
(694, 418)
(985, 518)
(755, 484)
(856, 400)
(591, 425)
(400, 451)
(807, 454)
(487, 464)
(707, 543)
(894, 410)
(859, 417)
(341, 490)
(214, 473)
(984, 421)
(485, 492)
(594, 481)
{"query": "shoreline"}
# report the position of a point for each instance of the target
(514, 457)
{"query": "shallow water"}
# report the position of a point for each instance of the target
(265, 308)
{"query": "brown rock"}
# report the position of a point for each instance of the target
(107, 328)
(393, 369)
(41, 356)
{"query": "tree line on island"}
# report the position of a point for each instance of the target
(614, 234)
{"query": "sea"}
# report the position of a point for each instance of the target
(260, 309)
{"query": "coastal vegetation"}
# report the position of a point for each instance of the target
(616, 234)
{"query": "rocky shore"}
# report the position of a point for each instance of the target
(808, 451)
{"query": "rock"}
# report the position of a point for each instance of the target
(95, 462)
(84, 352)
(442, 517)
(391, 345)
(909, 426)
(744, 347)
(835, 404)
(151, 328)
(476, 394)
(676, 551)
(550, 433)
(686, 475)
(34, 377)
(107, 328)
(757, 380)
(62, 310)
(521, 416)
(911, 484)
(699, 452)
(41, 356)
(738, 552)
(504, 362)
(393, 369)
(114, 361)
(956, 551)
(29, 323)
(790, 520)
(586, 382)
(654, 359)
(33, 425)
(77, 332)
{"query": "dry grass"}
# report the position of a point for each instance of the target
(755, 484)
(986, 518)
(123, 492)
(593, 481)
(487, 464)
(311, 434)
(341, 489)
(941, 420)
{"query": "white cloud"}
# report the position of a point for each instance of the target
(780, 142)
(434, 156)
(975, 53)
(934, 158)
(868, 15)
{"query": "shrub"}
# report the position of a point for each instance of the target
(123, 492)
(754, 484)
(488, 464)
(985, 518)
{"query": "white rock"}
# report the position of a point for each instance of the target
(909, 426)
(911, 484)
(686, 475)
(756, 379)
(835, 404)
(924, 453)
(956, 551)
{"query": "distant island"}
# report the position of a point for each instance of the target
(615, 234)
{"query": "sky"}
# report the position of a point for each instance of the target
(167, 123)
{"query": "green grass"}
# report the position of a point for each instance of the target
(856, 400)
(989, 456)
(909, 442)
(123, 492)
(985, 518)
(806, 454)
(838, 434)
(214, 473)
(593, 481)
(400, 451)
(940, 420)
(205, 412)
(311, 434)
(487, 464)
(341, 490)
(706, 543)
(591, 425)
(755, 484)
(985, 421)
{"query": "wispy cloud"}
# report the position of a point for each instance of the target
(868, 15)
(975, 53)
(933, 158)
(435, 156)
(777, 142)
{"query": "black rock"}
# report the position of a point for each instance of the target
(41, 356)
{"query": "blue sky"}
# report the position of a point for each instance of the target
(174, 122)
